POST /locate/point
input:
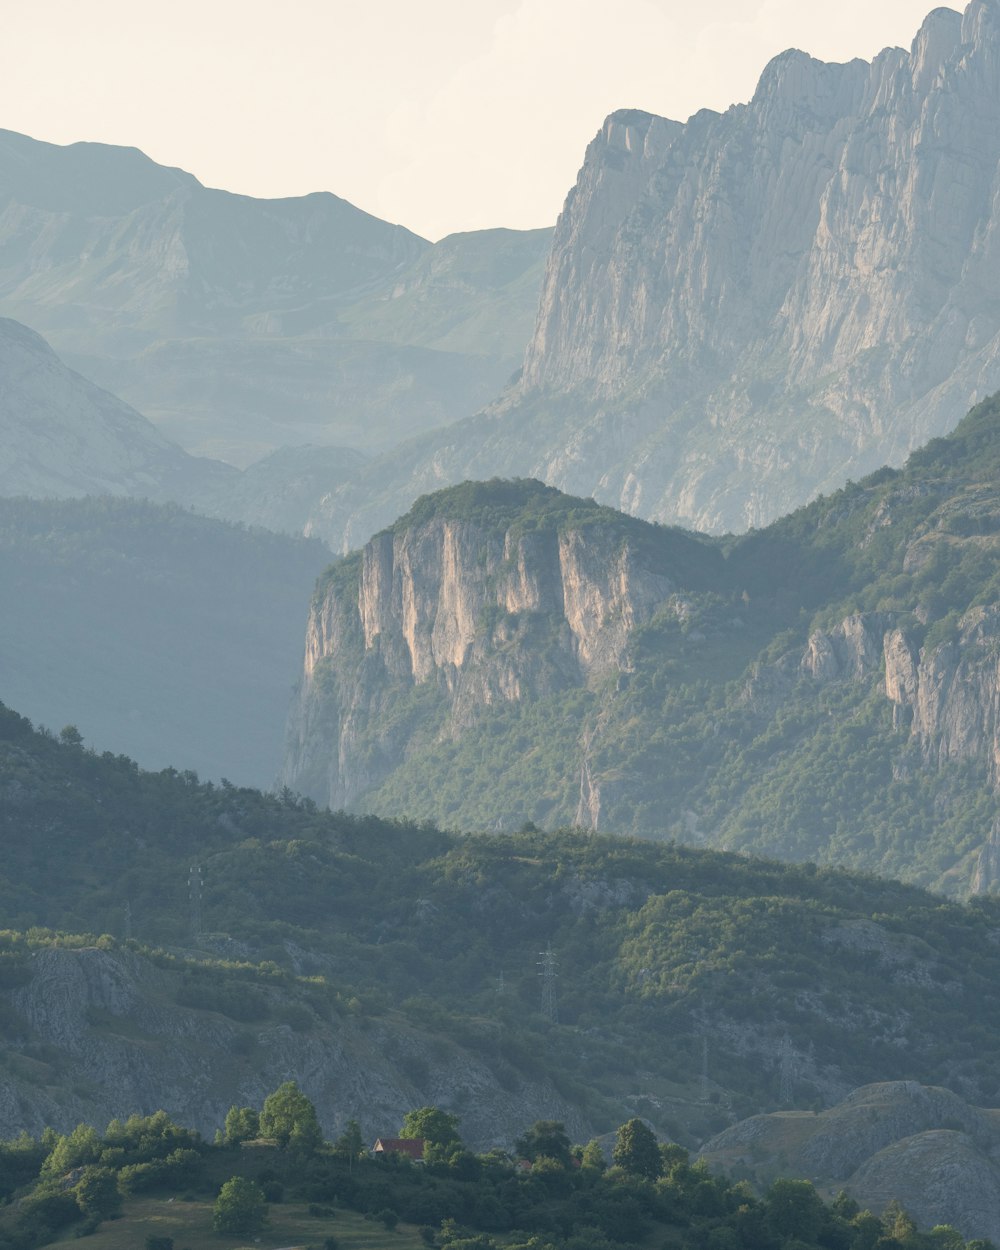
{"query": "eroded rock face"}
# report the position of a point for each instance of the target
(470, 615)
(124, 1046)
(952, 690)
(948, 692)
(939, 1177)
(843, 222)
(852, 649)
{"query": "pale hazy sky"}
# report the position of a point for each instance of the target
(443, 115)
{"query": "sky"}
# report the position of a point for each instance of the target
(444, 115)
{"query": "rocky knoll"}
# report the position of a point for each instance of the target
(921, 1146)
(752, 307)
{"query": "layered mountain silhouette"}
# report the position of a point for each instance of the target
(757, 305)
(240, 325)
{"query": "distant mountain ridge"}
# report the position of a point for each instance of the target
(240, 325)
(752, 307)
(64, 437)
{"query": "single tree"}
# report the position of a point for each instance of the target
(73, 1150)
(240, 1208)
(593, 1156)
(545, 1139)
(350, 1145)
(437, 1128)
(290, 1118)
(242, 1124)
(795, 1210)
(97, 1193)
(637, 1151)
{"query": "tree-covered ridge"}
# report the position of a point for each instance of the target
(545, 1195)
(713, 730)
(521, 506)
(849, 549)
(353, 916)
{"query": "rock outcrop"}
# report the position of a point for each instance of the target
(947, 691)
(750, 308)
(465, 614)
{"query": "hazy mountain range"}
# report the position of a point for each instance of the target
(745, 309)
(734, 313)
(732, 318)
(240, 325)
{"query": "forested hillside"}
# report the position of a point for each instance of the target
(820, 689)
(164, 635)
(435, 940)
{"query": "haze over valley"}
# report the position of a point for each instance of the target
(530, 698)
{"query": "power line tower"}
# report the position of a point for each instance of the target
(786, 1072)
(128, 920)
(501, 987)
(195, 884)
(548, 974)
(704, 1067)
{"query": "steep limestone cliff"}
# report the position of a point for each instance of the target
(752, 307)
(460, 613)
(946, 692)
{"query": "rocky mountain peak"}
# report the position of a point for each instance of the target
(747, 309)
(935, 43)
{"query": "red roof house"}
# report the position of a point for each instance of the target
(411, 1147)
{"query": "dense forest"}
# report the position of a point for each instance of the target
(171, 636)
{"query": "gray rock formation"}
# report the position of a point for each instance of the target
(747, 309)
(116, 1042)
(922, 1146)
(465, 615)
(948, 692)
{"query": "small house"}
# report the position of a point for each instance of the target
(409, 1147)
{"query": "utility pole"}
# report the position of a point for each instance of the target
(547, 974)
(704, 1067)
(194, 898)
(787, 1072)
(128, 920)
